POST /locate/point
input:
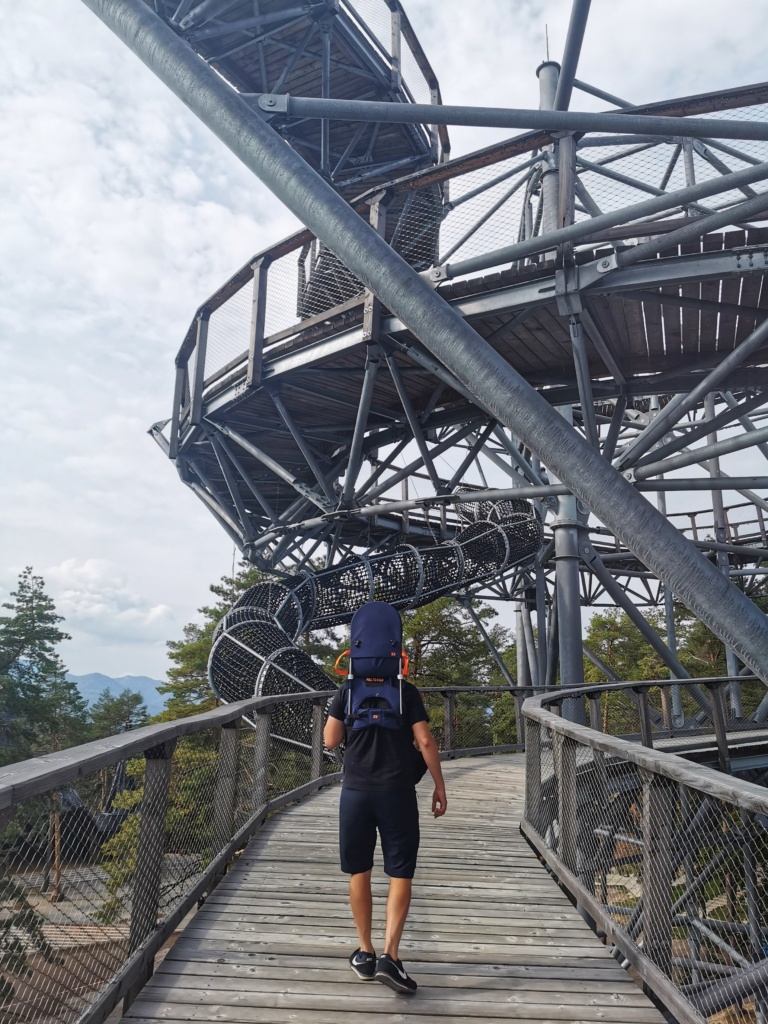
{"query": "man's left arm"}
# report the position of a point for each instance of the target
(431, 754)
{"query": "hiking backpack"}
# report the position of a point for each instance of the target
(374, 686)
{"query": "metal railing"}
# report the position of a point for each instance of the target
(668, 857)
(105, 848)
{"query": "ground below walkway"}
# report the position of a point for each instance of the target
(490, 936)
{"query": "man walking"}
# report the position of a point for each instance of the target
(378, 795)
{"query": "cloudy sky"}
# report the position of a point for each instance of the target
(120, 213)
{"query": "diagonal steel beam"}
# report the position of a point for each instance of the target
(570, 61)
(696, 455)
(497, 387)
(373, 358)
(247, 480)
(383, 112)
(272, 464)
(680, 404)
(413, 421)
(475, 447)
(301, 441)
(237, 499)
(699, 430)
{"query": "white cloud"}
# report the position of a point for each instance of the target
(94, 597)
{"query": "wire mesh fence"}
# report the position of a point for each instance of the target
(99, 868)
(470, 213)
(669, 858)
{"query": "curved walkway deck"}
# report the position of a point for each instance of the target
(490, 937)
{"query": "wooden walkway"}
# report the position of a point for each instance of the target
(490, 937)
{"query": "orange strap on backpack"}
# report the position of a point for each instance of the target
(336, 669)
(343, 672)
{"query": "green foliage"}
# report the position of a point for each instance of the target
(446, 649)
(109, 714)
(45, 710)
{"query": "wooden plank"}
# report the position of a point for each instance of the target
(488, 933)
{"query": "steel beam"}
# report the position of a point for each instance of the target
(681, 404)
(624, 215)
(381, 112)
(573, 41)
(697, 455)
(497, 388)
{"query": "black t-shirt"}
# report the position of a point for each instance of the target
(377, 758)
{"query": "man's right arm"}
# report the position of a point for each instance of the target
(431, 755)
(333, 733)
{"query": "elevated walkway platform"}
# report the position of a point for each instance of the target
(490, 937)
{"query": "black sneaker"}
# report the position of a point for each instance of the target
(363, 964)
(391, 972)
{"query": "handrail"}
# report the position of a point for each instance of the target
(671, 766)
(37, 775)
(644, 841)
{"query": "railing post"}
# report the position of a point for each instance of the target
(721, 729)
(533, 773)
(226, 785)
(646, 732)
(149, 855)
(448, 733)
(318, 719)
(258, 314)
(262, 720)
(197, 384)
(567, 802)
(658, 871)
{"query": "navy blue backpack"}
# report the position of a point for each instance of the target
(374, 686)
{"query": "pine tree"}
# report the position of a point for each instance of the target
(44, 710)
(446, 649)
(109, 714)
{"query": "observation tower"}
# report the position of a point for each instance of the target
(556, 343)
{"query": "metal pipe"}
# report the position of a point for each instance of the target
(697, 455)
(723, 561)
(571, 52)
(583, 381)
(675, 410)
(697, 227)
(497, 388)
(700, 429)
(382, 112)
(530, 644)
(356, 448)
(742, 417)
(585, 228)
(601, 94)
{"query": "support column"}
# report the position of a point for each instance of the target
(678, 716)
(261, 742)
(548, 74)
(723, 561)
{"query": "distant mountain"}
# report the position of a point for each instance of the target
(91, 685)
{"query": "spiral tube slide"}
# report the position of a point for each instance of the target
(254, 652)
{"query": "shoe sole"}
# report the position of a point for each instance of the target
(392, 983)
(362, 977)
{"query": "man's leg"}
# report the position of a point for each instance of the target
(362, 908)
(398, 902)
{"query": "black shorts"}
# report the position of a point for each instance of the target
(395, 814)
